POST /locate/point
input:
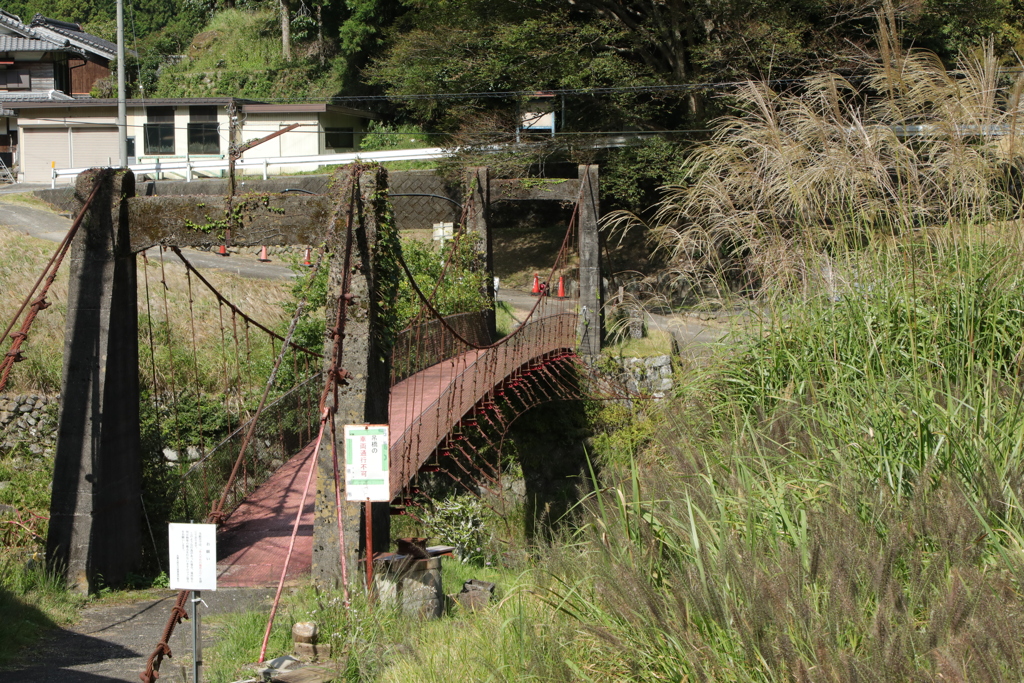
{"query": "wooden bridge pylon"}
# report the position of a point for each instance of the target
(95, 528)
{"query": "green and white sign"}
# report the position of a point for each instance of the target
(366, 463)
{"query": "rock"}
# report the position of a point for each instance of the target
(7, 509)
(304, 632)
(666, 371)
(277, 665)
(193, 453)
(31, 421)
(666, 385)
(25, 408)
(4, 484)
(35, 449)
(10, 406)
(661, 361)
(170, 455)
(475, 594)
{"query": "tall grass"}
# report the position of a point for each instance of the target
(839, 500)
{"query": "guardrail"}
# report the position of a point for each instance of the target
(188, 167)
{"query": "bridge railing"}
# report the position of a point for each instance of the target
(469, 377)
(285, 426)
(420, 346)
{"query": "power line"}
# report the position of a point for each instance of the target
(500, 94)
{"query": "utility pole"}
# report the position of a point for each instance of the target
(122, 106)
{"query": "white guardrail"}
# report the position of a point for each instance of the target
(187, 167)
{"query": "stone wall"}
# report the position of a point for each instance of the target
(650, 376)
(30, 419)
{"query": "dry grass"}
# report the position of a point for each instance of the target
(24, 258)
(800, 175)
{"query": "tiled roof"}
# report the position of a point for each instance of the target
(49, 34)
(10, 43)
(35, 96)
(60, 29)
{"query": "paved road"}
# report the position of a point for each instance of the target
(52, 226)
(113, 642)
(693, 332)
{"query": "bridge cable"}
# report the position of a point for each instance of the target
(224, 300)
(40, 303)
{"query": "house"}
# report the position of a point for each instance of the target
(83, 132)
(45, 61)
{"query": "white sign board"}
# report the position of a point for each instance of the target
(366, 463)
(193, 556)
(443, 231)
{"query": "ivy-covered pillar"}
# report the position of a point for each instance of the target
(361, 397)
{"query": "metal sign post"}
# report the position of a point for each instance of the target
(193, 556)
(367, 477)
(197, 642)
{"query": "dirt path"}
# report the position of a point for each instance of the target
(113, 642)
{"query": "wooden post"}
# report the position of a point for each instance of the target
(95, 528)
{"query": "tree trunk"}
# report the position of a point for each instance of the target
(286, 30)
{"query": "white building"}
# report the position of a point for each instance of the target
(83, 133)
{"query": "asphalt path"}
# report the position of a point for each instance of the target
(52, 226)
(113, 641)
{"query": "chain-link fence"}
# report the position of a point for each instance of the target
(284, 427)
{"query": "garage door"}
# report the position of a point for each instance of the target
(94, 147)
(40, 147)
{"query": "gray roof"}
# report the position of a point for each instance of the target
(55, 35)
(10, 43)
(35, 96)
(62, 30)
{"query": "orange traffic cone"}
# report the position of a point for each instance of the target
(263, 254)
(305, 261)
(536, 285)
(223, 251)
(561, 286)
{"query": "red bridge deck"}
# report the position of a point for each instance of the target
(253, 542)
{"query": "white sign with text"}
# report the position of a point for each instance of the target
(366, 463)
(193, 556)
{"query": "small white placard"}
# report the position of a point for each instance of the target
(366, 463)
(443, 231)
(193, 556)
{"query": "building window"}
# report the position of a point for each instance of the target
(159, 130)
(18, 79)
(339, 138)
(203, 131)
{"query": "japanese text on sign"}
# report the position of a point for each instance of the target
(366, 463)
(193, 556)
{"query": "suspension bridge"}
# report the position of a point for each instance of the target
(446, 385)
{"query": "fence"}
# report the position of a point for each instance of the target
(186, 168)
